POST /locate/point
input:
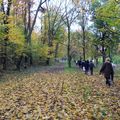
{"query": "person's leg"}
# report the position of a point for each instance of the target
(108, 81)
(112, 78)
(91, 71)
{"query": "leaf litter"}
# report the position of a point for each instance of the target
(58, 96)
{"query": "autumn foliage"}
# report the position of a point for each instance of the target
(52, 95)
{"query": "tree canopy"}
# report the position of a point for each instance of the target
(29, 34)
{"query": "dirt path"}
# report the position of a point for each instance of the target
(31, 70)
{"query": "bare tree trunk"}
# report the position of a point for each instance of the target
(83, 36)
(96, 54)
(84, 44)
(103, 47)
(103, 53)
(29, 31)
(68, 48)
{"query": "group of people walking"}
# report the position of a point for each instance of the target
(106, 69)
(87, 66)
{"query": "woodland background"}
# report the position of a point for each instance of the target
(40, 40)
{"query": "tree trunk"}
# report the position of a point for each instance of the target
(103, 47)
(5, 62)
(68, 48)
(83, 30)
(5, 55)
(31, 58)
(48, 61)
(29, 33)
(19, 63)
(56, 50)
(30, 50)
(26, 61)
(110, 53)
(103, 54)
(96, 55)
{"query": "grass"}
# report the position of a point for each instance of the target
(70, 70)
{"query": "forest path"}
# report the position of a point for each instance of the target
(53, 94)
(53, 68)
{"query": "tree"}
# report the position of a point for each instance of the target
(5, 12)
(105, 15)
(84, 7)
(52, 25)
(29, 20)
(69, 16)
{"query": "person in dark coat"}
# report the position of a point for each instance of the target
(83, 65)
(91, 66)
(86, 66)
(108, 71)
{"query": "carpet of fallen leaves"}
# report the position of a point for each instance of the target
(58, 95)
